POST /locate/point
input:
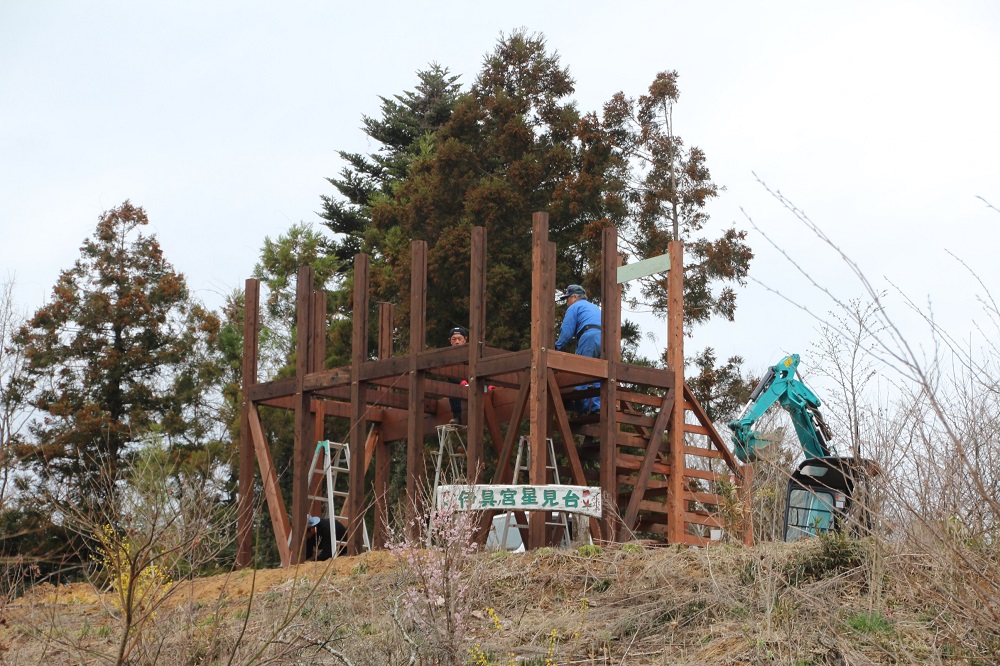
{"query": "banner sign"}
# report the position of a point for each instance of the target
(571, 499)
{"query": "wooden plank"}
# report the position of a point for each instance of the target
(388, 368)
(643, 376)
(589, 368)
(251, 336)
(701, 451)
(639, 399)
(441, 357)
(272, 389)
(272, 492)
(504, 363)
(359, 407)
(415, 424)
(326, 379)
(636, 420)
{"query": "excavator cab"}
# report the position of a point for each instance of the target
(827, 494)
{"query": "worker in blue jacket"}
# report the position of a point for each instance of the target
(583, 322)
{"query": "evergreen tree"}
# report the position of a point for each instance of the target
(404, 131)
(667, 196)
(513, 144)
(120, 351)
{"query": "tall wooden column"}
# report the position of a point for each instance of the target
(675, 360)
(244, 515)
(541, 326)
(304, 439)
(477, 333)
(611, 351)
(386, 315)
(359, 407)
(415, 426)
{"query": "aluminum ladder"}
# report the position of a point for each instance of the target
(330, 460)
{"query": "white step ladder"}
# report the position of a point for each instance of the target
(449, 463)
(521, 472)
(330, 460)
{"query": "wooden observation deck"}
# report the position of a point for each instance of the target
(661, 465)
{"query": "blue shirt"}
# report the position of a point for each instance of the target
(582, 313)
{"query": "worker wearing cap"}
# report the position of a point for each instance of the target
(583, 322)
(319, 540)
(459, 335)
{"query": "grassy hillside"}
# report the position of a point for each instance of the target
(825, 601)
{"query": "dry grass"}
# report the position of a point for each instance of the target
(806, 603)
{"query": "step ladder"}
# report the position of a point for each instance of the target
(521, 475)
(330, 460)
(449, 463)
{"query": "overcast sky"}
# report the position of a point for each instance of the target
(222, 119)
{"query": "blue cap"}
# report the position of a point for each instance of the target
(312, 520)
(572, 290)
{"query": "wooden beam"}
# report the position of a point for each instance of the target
(637, 374)
(359, 407)
(713, 434)
(504, 363)
(244, 515)
(582, 365)
(273, 389)
(415, 425)
(272, 492)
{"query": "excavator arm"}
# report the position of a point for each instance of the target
(780, 386)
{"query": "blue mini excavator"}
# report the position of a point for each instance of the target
(826, 487)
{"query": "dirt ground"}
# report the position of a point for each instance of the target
(234, 585)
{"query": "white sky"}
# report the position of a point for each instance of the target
(222, 119)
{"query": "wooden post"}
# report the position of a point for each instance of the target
(541, 300)
(386, 314)
(359, 408)
(304, 440)
(611, 351)
(244, 516)
(415, 425)
(477, 331)
(317, 357)
(676, 528)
